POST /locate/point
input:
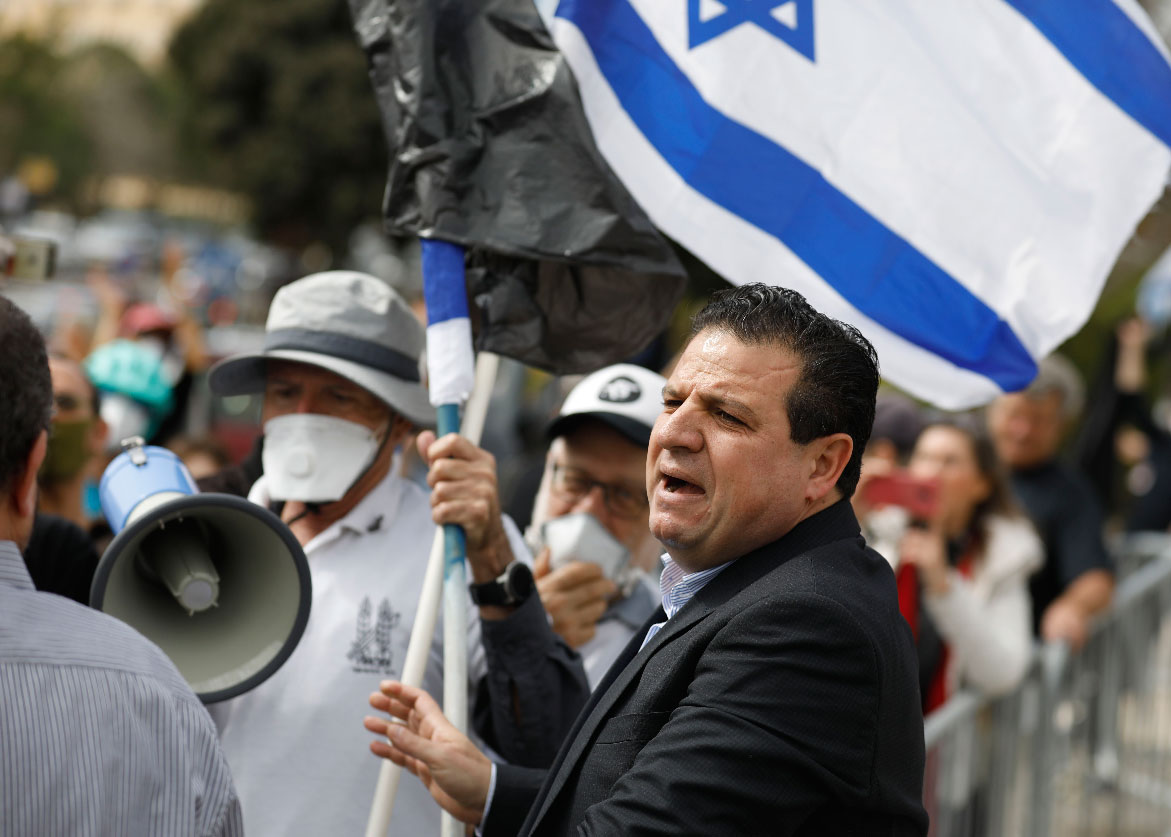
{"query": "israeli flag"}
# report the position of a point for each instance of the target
(955, 179)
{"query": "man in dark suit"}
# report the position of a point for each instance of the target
(776, 691)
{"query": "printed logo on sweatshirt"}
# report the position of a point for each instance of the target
(371, 651)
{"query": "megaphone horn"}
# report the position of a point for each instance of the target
(218, 583)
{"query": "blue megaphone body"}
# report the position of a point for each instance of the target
(219, 583)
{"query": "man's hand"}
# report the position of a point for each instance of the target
(926, 549)
(1069, 617)
(1064, 620)
(462, 477)
(575, 596)
(455, 773)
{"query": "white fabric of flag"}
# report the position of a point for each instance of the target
(955, 179)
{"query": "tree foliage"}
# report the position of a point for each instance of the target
(37, 114)
(280, 108)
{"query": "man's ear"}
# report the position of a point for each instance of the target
(24, 494)
(829, 456)
(399, 429)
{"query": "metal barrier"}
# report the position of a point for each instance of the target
(1083, 745)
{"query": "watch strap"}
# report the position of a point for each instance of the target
(510, 588)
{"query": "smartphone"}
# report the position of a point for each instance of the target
(919, 497)
(30, 259)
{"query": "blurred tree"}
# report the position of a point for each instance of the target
(126, 109)
(37, 114)
(279, 107)
(1088, 348)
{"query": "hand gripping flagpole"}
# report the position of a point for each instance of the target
(423, 630)
(451, 376)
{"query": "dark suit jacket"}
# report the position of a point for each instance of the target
(782, 699)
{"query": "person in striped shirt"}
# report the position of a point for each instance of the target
(99, 734)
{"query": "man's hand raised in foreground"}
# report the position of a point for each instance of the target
(455, 773)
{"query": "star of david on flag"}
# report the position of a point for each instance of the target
(956, 180)
(789, 20)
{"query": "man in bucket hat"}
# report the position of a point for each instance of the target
(342, 391)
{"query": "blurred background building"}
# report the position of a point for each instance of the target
(141, 27)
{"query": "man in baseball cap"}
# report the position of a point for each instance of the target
(595, 556)
(340, 377)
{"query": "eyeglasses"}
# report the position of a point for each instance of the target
(573, 484)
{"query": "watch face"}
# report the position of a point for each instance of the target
(513, 586)
(520, 582)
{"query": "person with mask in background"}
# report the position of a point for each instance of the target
(165, 327)
(152, 327)
(62, 551)
(342, 390)
(177, 340)
(596, 561)
(78, 437)
(136, 390)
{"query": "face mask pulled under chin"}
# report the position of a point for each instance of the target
(314, 458)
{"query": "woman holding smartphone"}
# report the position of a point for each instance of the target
(963, 566)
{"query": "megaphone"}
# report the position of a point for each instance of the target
(218, 583)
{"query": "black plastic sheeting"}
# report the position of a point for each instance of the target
(490, 149)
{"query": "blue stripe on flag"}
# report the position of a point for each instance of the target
(1104, 45)
(879, 273)
(444, 287)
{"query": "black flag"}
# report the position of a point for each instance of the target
(490, 149)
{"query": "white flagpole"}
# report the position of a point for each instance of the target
(455, 616)
(424, 627)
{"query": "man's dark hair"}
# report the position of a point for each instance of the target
(26, 391)
(838, 383)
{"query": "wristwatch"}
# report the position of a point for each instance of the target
(511, 587)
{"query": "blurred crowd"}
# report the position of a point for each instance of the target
(996, 522)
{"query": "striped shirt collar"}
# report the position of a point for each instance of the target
(13, 572)
(677, 586)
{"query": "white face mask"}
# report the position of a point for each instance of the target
(314, 458)
(173, 362)
(582, 537)
(124, 417)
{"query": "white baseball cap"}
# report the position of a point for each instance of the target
(627, 397)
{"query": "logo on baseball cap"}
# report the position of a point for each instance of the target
(621, 390)
(624, 396)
